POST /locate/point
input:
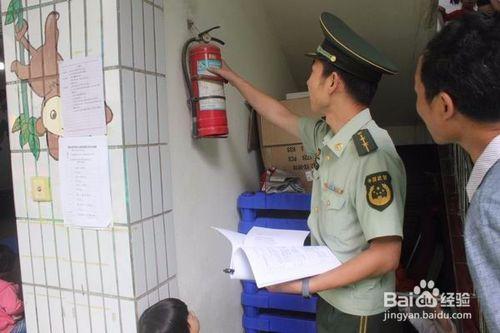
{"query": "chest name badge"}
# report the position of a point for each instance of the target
(379, 192)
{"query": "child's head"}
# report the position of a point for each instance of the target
(7, 261)
(485, 6)
(170, 315)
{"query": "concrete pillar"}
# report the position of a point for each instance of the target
(77, 279)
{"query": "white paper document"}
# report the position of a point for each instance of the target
(84, 179)
(272, 256)
(82, 96)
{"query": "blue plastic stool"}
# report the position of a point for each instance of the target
(263, 299)
(296, 314)
(278, 324)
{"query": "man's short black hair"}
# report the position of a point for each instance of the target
(463, 60)
(362, 91)
(167, 316)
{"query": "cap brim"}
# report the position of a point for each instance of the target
(312, 55)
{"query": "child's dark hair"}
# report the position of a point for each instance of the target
(463, 60)
(483, 2)
(7, 260)
(167, 316)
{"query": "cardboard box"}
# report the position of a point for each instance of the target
(284, 151)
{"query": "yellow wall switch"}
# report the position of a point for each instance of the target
(40, 189)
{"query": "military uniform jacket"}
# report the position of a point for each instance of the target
(359, 189)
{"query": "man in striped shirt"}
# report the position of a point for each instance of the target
(458, 97)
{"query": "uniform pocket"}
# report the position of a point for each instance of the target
(339, 223)
(333, 201)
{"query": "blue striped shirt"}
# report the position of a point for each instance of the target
(482, 244)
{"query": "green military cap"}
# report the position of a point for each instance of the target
(348, 51)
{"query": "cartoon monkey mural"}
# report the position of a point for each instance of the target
(43, 77)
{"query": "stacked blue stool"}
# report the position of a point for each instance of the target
(264, 311)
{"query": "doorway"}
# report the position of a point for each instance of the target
(8, 230)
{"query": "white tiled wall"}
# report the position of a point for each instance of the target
(99, 280)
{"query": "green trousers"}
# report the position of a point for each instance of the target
(332, 320)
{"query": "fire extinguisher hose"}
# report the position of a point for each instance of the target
(197, 99)
(187, 81)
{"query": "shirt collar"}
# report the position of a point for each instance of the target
(338, 142)
(489, 157)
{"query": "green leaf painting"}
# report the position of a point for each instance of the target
(23, 137)
(34, 144)
(14, 12)
(27, 133)
(17, 125)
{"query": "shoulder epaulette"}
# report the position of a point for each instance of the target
(364, 142)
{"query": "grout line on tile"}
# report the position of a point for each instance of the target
(165, 226)
(67, 229)
(149, 2)
(154, 225)
(149, 160)
(149, 217)
(56, 250)
(136, 70)
(86, 275)
(86, 41)
(72, 278)
(61, 222)
(36, 163)
(159, 150)
(18, 51)
(115, 261)
(137, 156)
(105, 69)
(145, 262)
(112, 147)
(97, 231)
(149, 292)
(83, 292)
(124, 159)
(54, 231)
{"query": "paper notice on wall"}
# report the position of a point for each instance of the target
(82, 96)
(84, 179)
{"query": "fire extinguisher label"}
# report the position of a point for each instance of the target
(209, 88)
(212, 104)
(205, 64)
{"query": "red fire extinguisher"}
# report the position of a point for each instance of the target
(206, 90)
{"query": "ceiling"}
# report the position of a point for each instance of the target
(398, 28)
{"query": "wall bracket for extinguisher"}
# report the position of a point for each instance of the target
(202, 37)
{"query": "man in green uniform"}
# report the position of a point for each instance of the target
(359, 180)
